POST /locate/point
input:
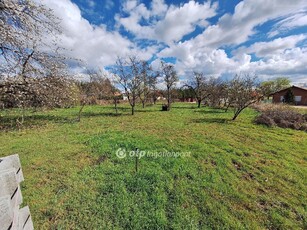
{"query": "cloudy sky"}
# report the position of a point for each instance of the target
(219, 38)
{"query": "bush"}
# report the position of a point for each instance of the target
(265, 120)
(282, 118)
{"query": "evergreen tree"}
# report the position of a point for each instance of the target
(289, 97)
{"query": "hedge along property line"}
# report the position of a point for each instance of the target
(11, 216)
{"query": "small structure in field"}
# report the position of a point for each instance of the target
(284, 96)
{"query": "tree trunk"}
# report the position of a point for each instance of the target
(199, 103)
(132, 110)
(227, 108)
(18, 122)
(115, 104)
(79, 114)
(237, 113)
(168, 100)
(235, 117)
(143, 104)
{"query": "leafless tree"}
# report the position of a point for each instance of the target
(114, 91)
(199, 86)
(170, 78)
(128, 72)
(216, 90)
(154, 90)
(149, 83)
(243, 92)
(98, 87)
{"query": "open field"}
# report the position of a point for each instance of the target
(239, 175)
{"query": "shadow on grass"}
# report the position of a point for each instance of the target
(211, 120)
(210, 111)
(118, 108)
(8, 123)
(146, 110)
(101, 114)
(184, 107)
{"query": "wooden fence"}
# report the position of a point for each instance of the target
(12, 217)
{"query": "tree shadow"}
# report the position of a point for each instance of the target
(210, 111)
(211, 120)
(12, 122)
(101, 114)
(186, 107)
(145, 111)
(118, 108)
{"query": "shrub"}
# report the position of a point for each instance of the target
(282, 117)
(265, 120)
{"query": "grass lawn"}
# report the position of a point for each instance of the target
(239, 175)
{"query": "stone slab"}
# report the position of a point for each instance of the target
(6, 212)
(8, 183)
(25, 220)
(12, 161)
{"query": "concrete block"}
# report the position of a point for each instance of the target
(8, 182)
(25, 220)
(12, 162)
(6, 213)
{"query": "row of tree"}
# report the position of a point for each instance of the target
(33, 73)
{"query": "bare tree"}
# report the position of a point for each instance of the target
(98, 87)
(243, 92)
(128, 73)
(170, 78)
(116, 95)
(216, 90)
(154, 91)
(148, 78)
(199, 87)
(115, 92)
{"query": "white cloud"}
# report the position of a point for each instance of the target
(206, 51)
(168, 24)
(295, 20)
(237, 28)
(94, 44)
(275, 47)
(158, 7)
(290, 61)
(165, 24)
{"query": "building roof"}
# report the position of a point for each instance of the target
(293, 86)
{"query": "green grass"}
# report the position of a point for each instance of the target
(239, 175)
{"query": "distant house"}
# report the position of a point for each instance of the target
(187, 99)
(300, 95)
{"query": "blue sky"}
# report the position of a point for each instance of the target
(219, 38)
